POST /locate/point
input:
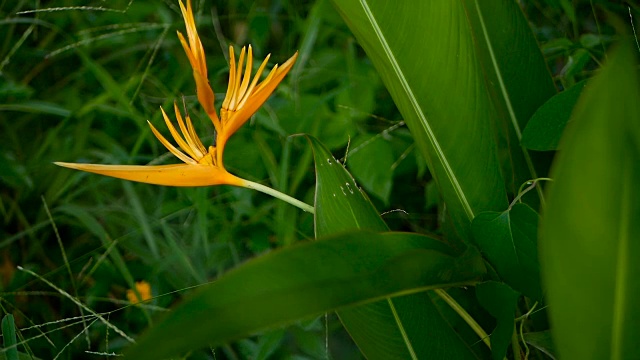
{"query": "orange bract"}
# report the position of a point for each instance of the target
(203, 166)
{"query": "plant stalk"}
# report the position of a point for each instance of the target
(277, 194)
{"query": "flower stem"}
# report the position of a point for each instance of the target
(277, 194)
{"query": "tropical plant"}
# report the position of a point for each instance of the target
(532, 252)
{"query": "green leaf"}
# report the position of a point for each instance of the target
(590, 237)
(501, 302)
(390, 328)
(370, 161)
(450, 68)
(38, 107)
(340, 203)
(509, 241)
(517, 79)
(9, 337)
(302, 281)
(541, 340)
(546, 126)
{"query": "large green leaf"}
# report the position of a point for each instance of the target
(501, 302)
(590, 237)
(544, 130)
(450, 68)
(407, 327)
(509, 241)
(517, 77)
(305, 280)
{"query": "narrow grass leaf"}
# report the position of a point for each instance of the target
(9, 337)
(590, 237)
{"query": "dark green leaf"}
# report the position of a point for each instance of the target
(542, 341)
(426, 56)
(590, 238)
(501, 302)
(517, 79)
(9, 337)
(546, 126)
(390, 328)
(509, 241)
(303, 281)
(370, 162)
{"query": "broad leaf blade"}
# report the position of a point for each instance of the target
(544, 130)
(425, 54)
(302, 281)
(509, 241)
(517, 78)
(450, 68)
(406, 327)
(590, 239)
(501, 302)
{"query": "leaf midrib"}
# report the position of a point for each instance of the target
(423, 119)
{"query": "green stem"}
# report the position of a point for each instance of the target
(464, 315)
(277, 194)
(515, 345)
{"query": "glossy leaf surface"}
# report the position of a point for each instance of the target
(590, 239)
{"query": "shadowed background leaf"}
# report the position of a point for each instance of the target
(590, 237)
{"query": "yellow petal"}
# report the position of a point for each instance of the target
(168, 175)
(206, 97)
(258, 97)
(256, 78)
(232, 78)
(179, 154)
(144, 290)
(195, 53)
(190, 135)
(176, 136)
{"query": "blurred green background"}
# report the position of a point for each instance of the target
(79, 80)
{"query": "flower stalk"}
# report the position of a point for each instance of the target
(203, 166)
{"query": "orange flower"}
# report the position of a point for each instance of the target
(144, 290)
(203, 166)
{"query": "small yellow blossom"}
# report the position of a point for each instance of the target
(144, 289)
(203, 166)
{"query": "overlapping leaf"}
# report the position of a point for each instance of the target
(457, 70)
(406, 327)
(590, 239)
(509, 241)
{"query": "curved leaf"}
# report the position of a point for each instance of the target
(509, 241)
(457, 70)
(517, 77)
(407, 327)
(590, 237)
(501, 302)
(544, 130)
(302, 281)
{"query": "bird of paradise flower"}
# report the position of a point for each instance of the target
(204, 166)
